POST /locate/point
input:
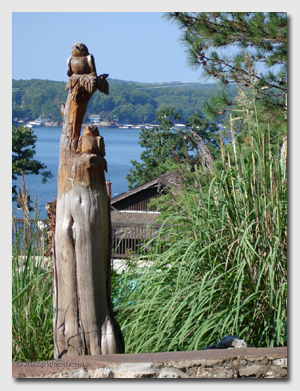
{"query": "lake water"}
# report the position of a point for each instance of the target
(121, 146)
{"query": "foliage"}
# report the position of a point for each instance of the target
(38, 98)
(32, 309)
(126, 102)
(218, 266)
(162, 143)
(256, 41)
(23, 151)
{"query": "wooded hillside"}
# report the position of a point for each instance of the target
(127, 101)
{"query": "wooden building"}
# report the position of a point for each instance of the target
(138, 198)
(132, 218)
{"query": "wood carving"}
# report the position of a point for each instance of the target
(83, 318)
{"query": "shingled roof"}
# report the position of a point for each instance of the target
(169, 179)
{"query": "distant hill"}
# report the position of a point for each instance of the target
(127, 101)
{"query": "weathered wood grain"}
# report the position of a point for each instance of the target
(83, 318)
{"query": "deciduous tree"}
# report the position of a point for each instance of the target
(23, 151)
(162, 143)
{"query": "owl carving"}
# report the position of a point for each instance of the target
(80, 62)
(82, 73)
(91, 142)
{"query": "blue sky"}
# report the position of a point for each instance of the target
(133, 46)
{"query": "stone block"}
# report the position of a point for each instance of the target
(134, 370)
(103, 373)
(76, 373)
(231, 341)
(171, 373)
(216, 373)
(273, 375)
(278, 369)
(251, 370)
(281, 362)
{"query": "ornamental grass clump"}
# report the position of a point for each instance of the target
(32, 308)
(218, 265)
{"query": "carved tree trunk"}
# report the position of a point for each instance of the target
(83, 317)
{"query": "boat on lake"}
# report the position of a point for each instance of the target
(37, 122)
(106, 124)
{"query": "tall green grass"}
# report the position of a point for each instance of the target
(218, 266)
(32, 309)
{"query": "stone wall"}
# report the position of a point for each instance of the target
(215, 363)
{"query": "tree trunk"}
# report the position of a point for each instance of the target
(83, 319)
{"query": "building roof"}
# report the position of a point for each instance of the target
(165, 180)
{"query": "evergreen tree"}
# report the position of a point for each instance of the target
(258, 40)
